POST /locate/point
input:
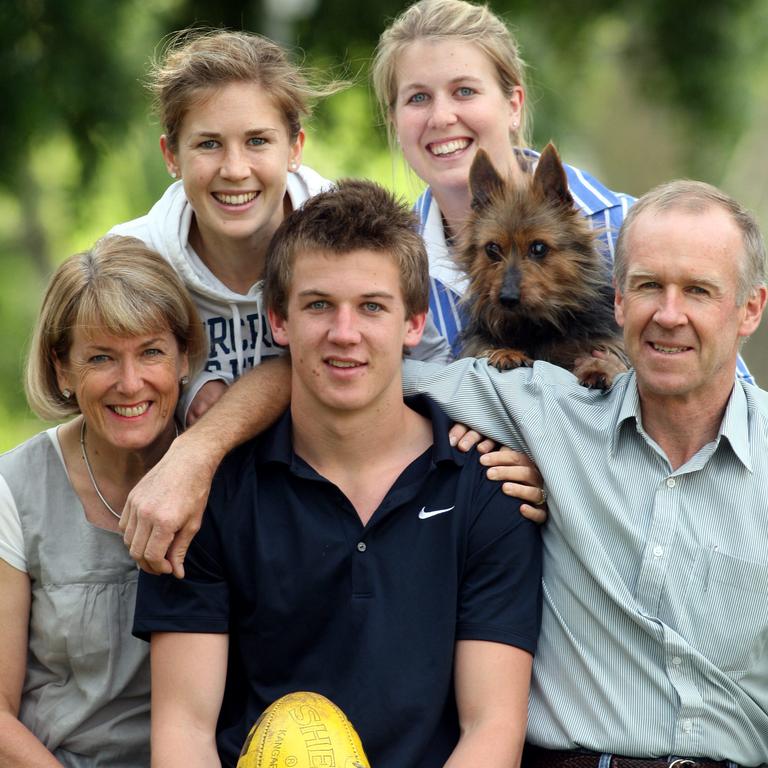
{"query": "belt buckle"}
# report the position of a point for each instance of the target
(683, 762)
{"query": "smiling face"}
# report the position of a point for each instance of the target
(682, 325)
(233, 155)
(346, 327)
(449, 103)
(126, 388)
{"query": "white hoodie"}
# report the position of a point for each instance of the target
(236, 324)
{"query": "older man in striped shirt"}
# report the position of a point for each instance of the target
(654, 645)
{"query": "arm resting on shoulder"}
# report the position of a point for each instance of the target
(163, 512)
(492, 681)
(19, 747)
(473, 393)
(188, 675)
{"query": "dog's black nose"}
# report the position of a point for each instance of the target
(509, 300)
(509, 295)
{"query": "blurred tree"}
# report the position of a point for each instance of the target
(692, 52)
(688, 53)
(68, 70)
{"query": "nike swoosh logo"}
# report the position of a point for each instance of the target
(423, 515)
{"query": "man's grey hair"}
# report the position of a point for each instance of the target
(695, 197)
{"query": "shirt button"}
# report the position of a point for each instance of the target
(671, 482)
(677, 661)
(361, 547)
(658, 551)
(687, 726)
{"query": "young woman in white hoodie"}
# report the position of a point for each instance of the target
(231, 105)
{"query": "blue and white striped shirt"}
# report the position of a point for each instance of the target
(654, 638)
(604, 209)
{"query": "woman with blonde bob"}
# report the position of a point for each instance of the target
(116, 338)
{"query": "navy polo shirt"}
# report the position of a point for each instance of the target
(366, 615)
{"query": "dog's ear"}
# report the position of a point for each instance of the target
(484, 181)
(549, 178)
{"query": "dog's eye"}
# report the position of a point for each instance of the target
(538, 250)
(494, 252)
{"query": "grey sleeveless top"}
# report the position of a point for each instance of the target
(86, 692)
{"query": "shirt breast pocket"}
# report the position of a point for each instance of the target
(728, 604)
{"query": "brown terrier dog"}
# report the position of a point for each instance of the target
(538, 288)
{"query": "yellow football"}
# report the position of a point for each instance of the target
(303, 730)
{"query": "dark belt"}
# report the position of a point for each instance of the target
(538, 757)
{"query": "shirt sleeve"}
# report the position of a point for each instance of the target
(473, 393)
(11, 535)
(191, 390)
(198, 603)
(433, 347)
(500, 597)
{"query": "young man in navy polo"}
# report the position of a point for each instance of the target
(350, 550)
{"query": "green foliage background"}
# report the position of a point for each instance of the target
(637, 93)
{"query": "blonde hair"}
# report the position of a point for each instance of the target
(192, 61)
(119, 287)
(443, 20)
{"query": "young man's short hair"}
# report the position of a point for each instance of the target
(355, 215)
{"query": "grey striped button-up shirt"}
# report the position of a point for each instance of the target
(654, 639)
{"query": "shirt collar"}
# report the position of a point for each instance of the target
(629, 405)
(276, 444)
(734, 426)
(441, 424)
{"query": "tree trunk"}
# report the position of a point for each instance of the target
(33, 236)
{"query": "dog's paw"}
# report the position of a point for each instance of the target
(595, 373)
(506, 359)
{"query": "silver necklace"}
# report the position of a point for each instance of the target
(90, 471)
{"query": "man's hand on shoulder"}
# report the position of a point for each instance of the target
(465, 439)
(519, 476)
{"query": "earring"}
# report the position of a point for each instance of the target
(514, 126)
(184, 380)
(293, 166)
(66, 393)
(174, 175)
